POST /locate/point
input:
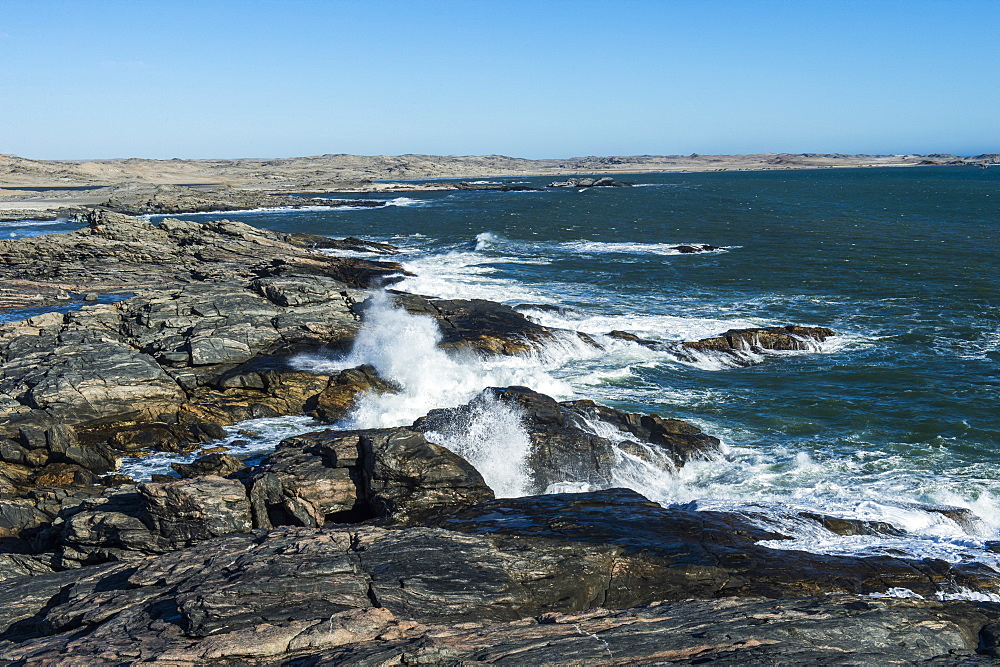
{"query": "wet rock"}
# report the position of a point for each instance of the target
(350, 243)
(696, 248)
(581, 442)
(790, 337)
(842, 526)
(484, 326)
(605, 181)
(337, 400)
(218, 464)
(632, 338)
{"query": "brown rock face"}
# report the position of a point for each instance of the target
(337, 400)
(791, 337)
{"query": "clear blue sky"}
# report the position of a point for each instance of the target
(221, 78)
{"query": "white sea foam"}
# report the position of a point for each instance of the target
(601, 247)
(491, 436)
(963, 593)
(403, 349)
(250, 438)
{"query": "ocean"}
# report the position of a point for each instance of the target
(891, 419)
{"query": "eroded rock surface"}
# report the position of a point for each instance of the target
(581, 442)
(505, 580)
(175, 200)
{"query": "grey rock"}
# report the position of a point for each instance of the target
(565, 441)
(532, 580)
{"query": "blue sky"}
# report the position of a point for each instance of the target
(221, 78)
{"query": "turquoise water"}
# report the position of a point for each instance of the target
(901, 407)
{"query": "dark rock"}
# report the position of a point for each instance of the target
(698, 247)
(160, 517)
(336, 476)
(64, 474)
(221, 465)
(350, 243)
(565, 442)
(632, 338)
(736, 343)
(509, 581)
(605, 181)
(842, 526)
(485, 326)
(791, 337)
(497, 187)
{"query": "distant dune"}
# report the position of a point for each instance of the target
(325, 172)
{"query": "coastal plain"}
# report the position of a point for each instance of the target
(378, 545)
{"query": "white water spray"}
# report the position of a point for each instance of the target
(404, 350)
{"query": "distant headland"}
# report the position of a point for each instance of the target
(58, 188)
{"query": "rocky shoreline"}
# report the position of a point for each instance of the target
(378, 546)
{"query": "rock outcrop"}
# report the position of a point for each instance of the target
(581, 442)
(602, 182)
(120, 254)
(177, 200)
(739, 347)
(206, 341)
(490, 584)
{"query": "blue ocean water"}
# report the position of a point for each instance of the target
(900, 410)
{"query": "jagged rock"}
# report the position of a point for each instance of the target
(508, 580)
(604, 181)
(309, 480)
(218, 464)
(791, 337)
(334, 476)
(336, 401)
(485, 326)
(565, 442)
(155, 517)
(350, 243)
(117, 253)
